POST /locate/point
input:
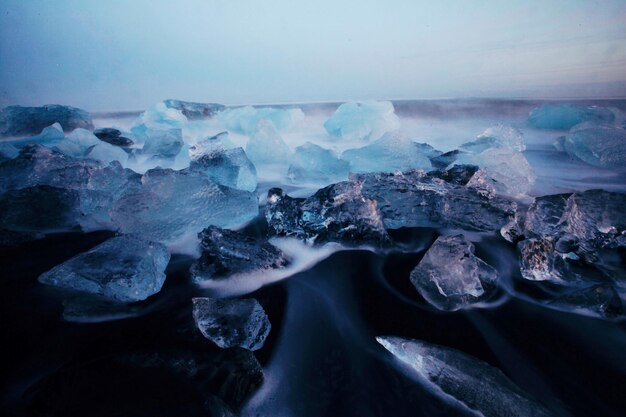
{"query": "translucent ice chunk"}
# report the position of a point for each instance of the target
(497, 136)
(245, 119)
(451, 277)
(231, 322)
(123, 268)
(393, 152)
(565, 116)
(107, 153)
(174, 204)
(450, 373)
(229, 167)
(160, 116)
(597, 145)
(367, 120)
(314, 164)
(25, 121)
(266, 146)
(210, 144)
(162, 144)
(78, 143)
(49, 136)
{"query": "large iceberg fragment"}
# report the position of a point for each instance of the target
(393, 152)
(367, 120)
(598, 145)
(229, 167)
(175, 204)
(266, 146)
(497, 136)
(245, 119)
(339, 212)
(451, 277)
(232, 322)
(565, 116)
(123, 268)
(225, 253)
(483, 389)
(194, 111)
(24, 121)
(314, 164)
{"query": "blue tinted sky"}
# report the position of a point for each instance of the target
(114, 54)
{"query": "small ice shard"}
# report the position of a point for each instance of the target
(229, 167)
(245, 119)
(565, 116)
(540, 261)
(265, 145)
(225, 253)
(232, 322)
(25, 121)
(173, 204)
(480, 387)
(314, 164)
(194, 111)
(123, 268)
(113, 137)
(451, 277)
(497, 136)
(599, 301)
(8, 151)
(393, 152)
(337, 213)
(162, 144)
(367, 120)
(597, 145)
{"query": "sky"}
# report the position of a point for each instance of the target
(128, 54)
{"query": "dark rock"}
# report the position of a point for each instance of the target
(444, 160)
(457, 175)
(25, 121)
(194, 111)
(113, 136)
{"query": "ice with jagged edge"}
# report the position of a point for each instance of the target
(266, 146)
(393, 152)
(367, 120)
(244, 120)
(566, 116)
(229, 167)
(123, 268)
(451, 277)
(232, 322)
(172, 205)
(450, 373)
(161, 145)
(598, 145)
(314, 164)
(496, 136)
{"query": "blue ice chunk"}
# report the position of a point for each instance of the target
(107, 153)
(123, 268)
(25, 121)
(78, 143)
(598, 145)
(266, 146)
(210, 144)
(314, 164)
(393, 152)
(171, 205)
(497, 136)
(8, 151)
(229, 167)
(160, 116)
(232, 323)
(367, 120)
(162, 144)
(566, 116)
(245, 119)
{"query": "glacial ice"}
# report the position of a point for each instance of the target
(174, 204)
(477, 385)
(232, 322)
(244, 120)
(367, 120)
(194, 111)
(210, 144)
(49, 136)
(25, 121)
(159, 116)
(451, 277)
(598, 145)
(393, 152)
(225, 253)
(123, 268)
(497, 136)
(162, 144)
(265, 145)
(113, 136)
(339, 212)
(314, 164)
(565, 116)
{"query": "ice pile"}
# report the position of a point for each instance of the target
(451, 277)
(123, 268)
(480, 387)
(244, 120)
(232, 322)
(265, 145)
(565, 116)
(25, 121)
(171, 205)
(393, 152)
(225, 253)
(314, 164)
(367, 120)
(598, 145)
